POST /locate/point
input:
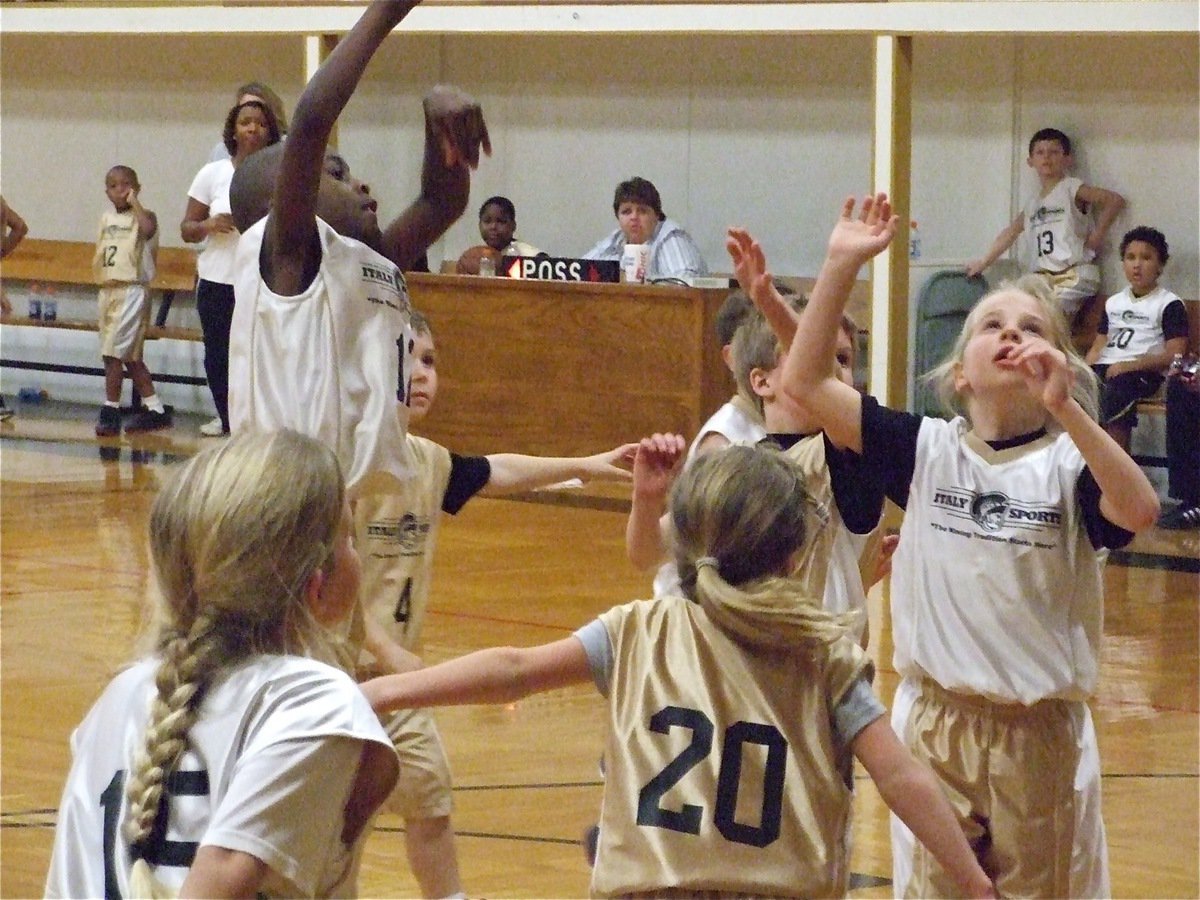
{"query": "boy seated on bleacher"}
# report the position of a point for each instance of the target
(1141, 331)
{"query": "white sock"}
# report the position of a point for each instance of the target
(153, 404)
(114, 404)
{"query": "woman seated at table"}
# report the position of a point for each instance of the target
(638, 208)
(497, 225)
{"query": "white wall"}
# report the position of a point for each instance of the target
(766, 131)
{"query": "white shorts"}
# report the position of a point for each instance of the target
(122, 320)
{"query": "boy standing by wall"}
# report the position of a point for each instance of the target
(1064, 246)
(124, 266)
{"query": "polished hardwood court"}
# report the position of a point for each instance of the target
(74, 575)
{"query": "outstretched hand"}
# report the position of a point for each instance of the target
(613, 465)
(750, 267)
(859, 239)
(455, 119)
(657, 462)
(1045, 371)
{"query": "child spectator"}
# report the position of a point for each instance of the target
(321, 337)
(741, 657)
(397, 533)
(235, 760)
(1142, 329)
(123, 264)
(1183, 445)
(1064, 243)
(497, 227)
(996, 591)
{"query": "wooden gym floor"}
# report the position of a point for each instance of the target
(73, 572)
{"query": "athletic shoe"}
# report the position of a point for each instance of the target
(6, 411)
(213, 428)
(109, 422)
(149, 420)
(1181, 518)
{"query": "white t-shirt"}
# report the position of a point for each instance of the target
(211, 187)
(333, 362)
(268, 771)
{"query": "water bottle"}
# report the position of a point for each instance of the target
(35, 301)
(914, 241)
(50, 306)
(487, 266)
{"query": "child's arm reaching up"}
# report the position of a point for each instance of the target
(654, 469)
(807, 378)
(1127, 498)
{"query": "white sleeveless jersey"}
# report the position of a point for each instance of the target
(723, 772)
(1135, 324)
(739, 423)
(1057, 229)
(396, 534)
(268, 771)
(996, 587)
(121, 254)
(333, 362)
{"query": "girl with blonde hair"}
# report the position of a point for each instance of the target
(736, 707)
(236, 758)
(996, 585)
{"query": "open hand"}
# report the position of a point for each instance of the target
(455, 119)
(613, 465)
(750, 267)
(860, 239)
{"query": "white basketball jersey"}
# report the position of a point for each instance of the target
(1135, 324)
(995, 585)
(121, 254)
(1057, 229)
(333, 362)
(268, 771)
(396, 535)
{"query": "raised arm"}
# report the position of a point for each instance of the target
(147, 220)
(294, 255)
(495, 675)
(1127, 498)
(910, 791)
(808, 380)
(654, 469)
(1003, 241)
(454, 134)
(512, 472)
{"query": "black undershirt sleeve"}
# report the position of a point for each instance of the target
(857, 493)
(1101, 532)
(1175, 320)
(468, 476)
(889, 441)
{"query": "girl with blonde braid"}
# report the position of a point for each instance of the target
(736, 706)
(237, 758)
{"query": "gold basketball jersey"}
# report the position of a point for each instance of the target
(396, 532)
(121, 254)
(722, 771)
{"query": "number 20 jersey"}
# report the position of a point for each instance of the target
(722, 771)
(332, 362)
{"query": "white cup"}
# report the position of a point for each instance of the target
(634, 260)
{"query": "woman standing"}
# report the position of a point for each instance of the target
(249, 127)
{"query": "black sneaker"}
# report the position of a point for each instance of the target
(149, 420)
(109, 423)
(1181, 518)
